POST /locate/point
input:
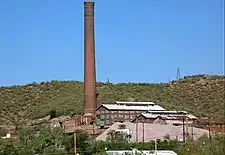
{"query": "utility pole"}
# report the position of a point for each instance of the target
(136, 130)
(155, 147)
(108, 81)
(178, 74)
(210, 124)
(75, 143)
(143, 132)
(210, 134)
(183, 131)
(192, 132)
(186, 129)
(210, 140)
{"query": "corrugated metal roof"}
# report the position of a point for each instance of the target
(144, 103)
(192, 116)
(167, 112)
(165, 116)
(178, 122)
(137, 108)
(149, 115)
(144, 152)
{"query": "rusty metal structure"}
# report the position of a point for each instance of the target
(78, 122)
(89, 60)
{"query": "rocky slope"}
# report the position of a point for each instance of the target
(202, 95)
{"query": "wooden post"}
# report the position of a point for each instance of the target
(210, 140)
(93, 128)
(75, 143)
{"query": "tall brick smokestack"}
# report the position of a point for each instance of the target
(89, 60)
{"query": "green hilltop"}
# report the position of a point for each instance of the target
(201, 95)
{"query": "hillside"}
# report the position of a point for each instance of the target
(200, 95)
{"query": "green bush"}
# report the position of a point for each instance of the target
(53, 141)
(3, 132)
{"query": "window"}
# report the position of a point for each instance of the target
(102, 116)
(107, 116)
(120, 116)
(126, 116)
(107, 121)
(132, 112)
(126, 112)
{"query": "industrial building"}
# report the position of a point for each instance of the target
(141, 112)
(120, 111)
(166, 117)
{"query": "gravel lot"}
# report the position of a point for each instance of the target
(154, 131)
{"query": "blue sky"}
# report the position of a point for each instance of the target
(136, 41)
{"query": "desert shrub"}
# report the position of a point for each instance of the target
(3, 132)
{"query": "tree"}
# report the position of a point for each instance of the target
(83, 142)
(203, 146)
(167, 136)
(114, 136)
(68, 142)
(3, 132)
(26, 137)
(52, 113)
(49, 137)
(53, 150)
(122, 126)
(10, 149)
